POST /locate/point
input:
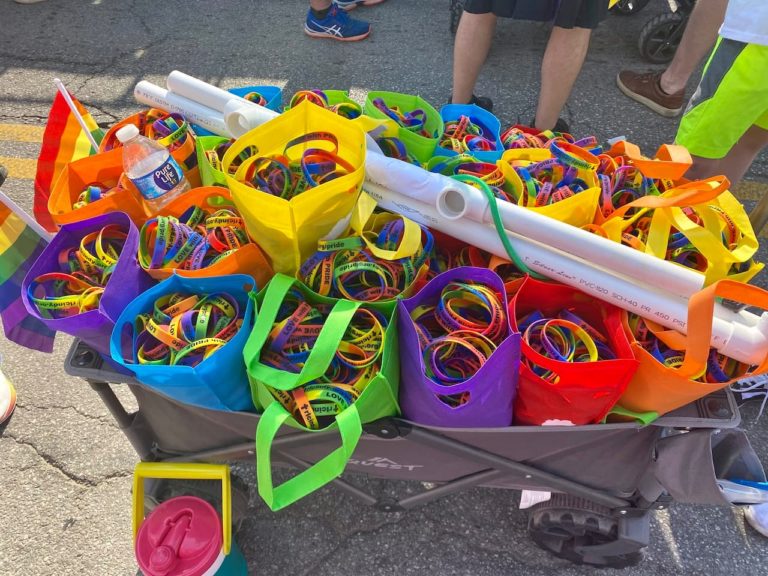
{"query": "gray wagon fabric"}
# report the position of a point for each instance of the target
(617, 458)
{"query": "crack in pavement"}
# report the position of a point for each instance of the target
(106, 420)
(55, 464)
(316, 564)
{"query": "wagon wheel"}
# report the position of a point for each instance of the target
(567, 527)
(457, 7)
(629, 7)
(660, 37)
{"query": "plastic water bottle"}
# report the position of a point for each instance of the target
(151, 168)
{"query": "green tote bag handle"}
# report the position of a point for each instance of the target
(321, 354)
(314, 477)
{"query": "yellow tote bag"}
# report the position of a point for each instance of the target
(288, 230)
(718, 215)
(577, 210)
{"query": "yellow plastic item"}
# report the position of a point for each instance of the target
(184, 471)
(288, 230)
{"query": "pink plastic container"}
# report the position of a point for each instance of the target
(182, 537)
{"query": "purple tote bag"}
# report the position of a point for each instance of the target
(128, 280)
(491, 390)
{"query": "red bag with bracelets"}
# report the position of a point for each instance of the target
(576, 358)
(216, 242)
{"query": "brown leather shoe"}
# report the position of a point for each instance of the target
(646, 89)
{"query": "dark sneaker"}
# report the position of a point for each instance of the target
(352, 4)
(560, 126)
(337, 25)
(3, 174)
(482, 101)
(646, 89)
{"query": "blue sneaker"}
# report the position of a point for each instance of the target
(352, 4)
(337, 25)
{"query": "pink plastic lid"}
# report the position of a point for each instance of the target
(181, 537)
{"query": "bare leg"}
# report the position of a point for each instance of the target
(319, 4)
(734, 164)
(699, 37)
(563, 58)
(473, 41)
(740, 158)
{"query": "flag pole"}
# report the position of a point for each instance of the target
(63, 91)
(28, 220)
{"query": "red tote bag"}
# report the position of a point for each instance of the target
(585, 391)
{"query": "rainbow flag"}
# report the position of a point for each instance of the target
(20, 245)
(63, 142)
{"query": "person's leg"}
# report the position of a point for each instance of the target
(319, 5)
(473, 42)
(664, 92)
(740, 157)
(563, 58)
(699, 37)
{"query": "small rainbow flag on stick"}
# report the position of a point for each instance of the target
(71, 134)
(21, 242)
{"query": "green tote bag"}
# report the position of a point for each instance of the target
(378, 399)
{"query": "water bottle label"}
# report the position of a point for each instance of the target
(161, 180)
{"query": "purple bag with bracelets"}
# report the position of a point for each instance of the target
(459, 357)
(72, 244)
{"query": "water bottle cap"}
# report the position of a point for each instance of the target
(128, 132)
(181, 537)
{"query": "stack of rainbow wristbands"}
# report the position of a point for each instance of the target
(719, 368)
(347, 109)
(565, 338)
(285, 177)
(185, 329)
(194, 241)
(84, 272)
(346, 268)
(459, 333)
(356, 362)
(414, 121)
(464, 135)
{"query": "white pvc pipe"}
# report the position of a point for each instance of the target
(206, 94)
(157, 97)
(240, 119)
(456, 200)
(729, 335)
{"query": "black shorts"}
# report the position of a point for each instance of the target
(563, 13)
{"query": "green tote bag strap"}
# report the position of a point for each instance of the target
(322, 352)
(316, 476)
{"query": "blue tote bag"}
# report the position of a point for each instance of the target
(219, 382)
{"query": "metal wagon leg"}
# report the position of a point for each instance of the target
(123, 418)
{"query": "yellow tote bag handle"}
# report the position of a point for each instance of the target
(184, 471)
(365, 222)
